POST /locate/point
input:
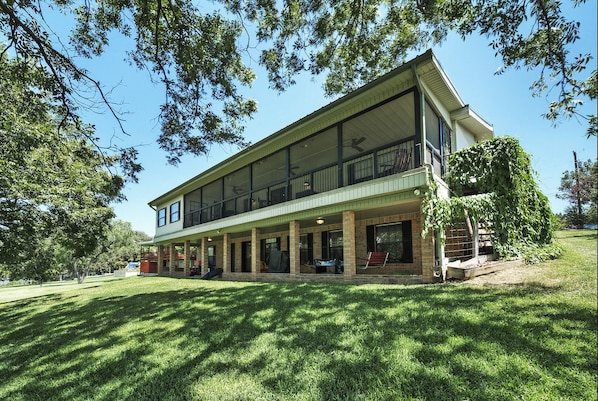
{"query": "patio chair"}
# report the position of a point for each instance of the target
(374, 259)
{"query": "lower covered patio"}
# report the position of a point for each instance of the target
(328, 248)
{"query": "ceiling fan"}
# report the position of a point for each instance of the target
(291, 169)
(238, 190)
(355, 142)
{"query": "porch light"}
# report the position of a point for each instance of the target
(320, 220)
(209, 239)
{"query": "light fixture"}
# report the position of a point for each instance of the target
(217, 231)
(209, 239)
(320, 220)
(416, 192)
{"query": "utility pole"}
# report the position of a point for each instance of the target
(577, 188)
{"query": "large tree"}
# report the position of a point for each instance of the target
(579, 187)
(200, 52)
(120, 246)
(56, 189)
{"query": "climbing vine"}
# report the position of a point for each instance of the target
(505, 197)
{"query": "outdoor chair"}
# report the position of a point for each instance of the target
(374, 259)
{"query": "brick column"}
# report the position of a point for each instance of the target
(349, 244)
(187, 258)
(171, 258)
(294, 262)
(226, 263)
(255, 253)
(159, 257)
(427, 250)
(317, 246)
(204, 256)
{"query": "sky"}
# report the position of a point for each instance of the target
(503, 100)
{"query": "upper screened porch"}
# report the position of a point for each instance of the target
(410, 118)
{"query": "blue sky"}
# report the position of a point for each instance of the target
(503, 100)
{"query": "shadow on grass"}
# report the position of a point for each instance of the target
(217, 340)
(582, 234)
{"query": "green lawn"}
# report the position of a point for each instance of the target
(175, 339)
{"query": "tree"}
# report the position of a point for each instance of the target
(200, 53)
(579, 188)
(122, 246)
(55, 188)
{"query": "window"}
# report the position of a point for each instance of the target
(432, 127)
(306, 252)
(162, 217)
(438, 136)
(175, 214)
(332, 244)
(211, 256)
(394, 238)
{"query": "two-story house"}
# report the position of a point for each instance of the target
(344, 181)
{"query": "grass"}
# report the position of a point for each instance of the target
(175, 339)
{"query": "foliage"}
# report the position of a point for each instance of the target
(201, 54)
(121, 247)
(192, 52)
(357, 41)
(160, 338)
(509, 201)
(55, 189)
(580, 185)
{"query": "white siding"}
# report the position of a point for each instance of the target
(463, 137)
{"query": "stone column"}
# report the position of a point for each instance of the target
(349, 244)
(187, 257)
(255, 253)
(226, 262)
(294, 252)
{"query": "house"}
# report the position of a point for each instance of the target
(323, 192)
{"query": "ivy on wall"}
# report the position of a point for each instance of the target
(492, 183)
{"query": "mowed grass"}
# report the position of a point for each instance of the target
(175, 339)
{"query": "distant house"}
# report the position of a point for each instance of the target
(326, 190)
